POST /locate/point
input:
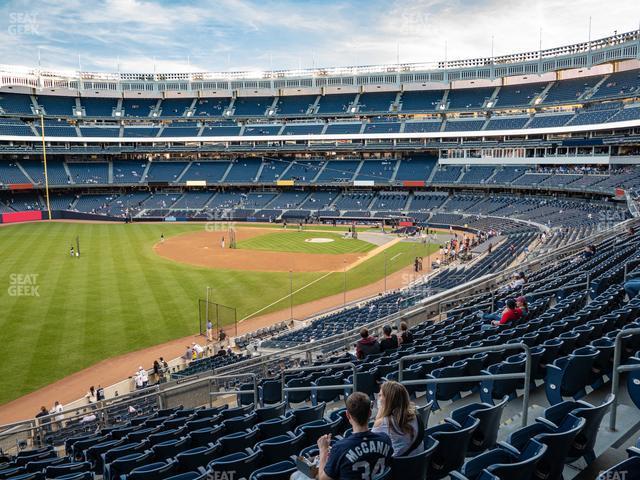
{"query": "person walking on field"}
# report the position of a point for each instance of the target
(222, 243)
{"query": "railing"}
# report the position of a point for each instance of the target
(254, 391)
(352, 385)
(617, 370)
(526, 375)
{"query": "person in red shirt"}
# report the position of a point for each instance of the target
(510, 314)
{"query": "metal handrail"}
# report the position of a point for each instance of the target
(351, 365)
(526, 376)
(253, 376)
(617, 370)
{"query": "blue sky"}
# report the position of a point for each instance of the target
(235, 35)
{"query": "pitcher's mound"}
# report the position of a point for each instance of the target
(319, 240)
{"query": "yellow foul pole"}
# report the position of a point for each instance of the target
(44, 156)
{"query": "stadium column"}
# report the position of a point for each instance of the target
(44, 158)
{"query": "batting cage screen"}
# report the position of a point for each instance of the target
(221, 318)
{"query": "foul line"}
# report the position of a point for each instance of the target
(396, 256)
(286, 296)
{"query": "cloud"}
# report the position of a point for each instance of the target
(261, 35)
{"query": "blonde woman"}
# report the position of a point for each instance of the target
(397, 418)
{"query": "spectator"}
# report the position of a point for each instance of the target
(521, 303)
(406, 336)
(389, 341)
(100, 393)
(632, 285)
(209, 330)
(157, 370)
(509, 315)
(222, 336)
(364, 454)
(366, 345)
(144, 375)
(188, 354)
(58, 411)
(397, 418)
(90, 417)
(42, 413)
(197, 349)
(91, 396)
(45, 421)
(137, 378)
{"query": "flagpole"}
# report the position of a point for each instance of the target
(44, 156)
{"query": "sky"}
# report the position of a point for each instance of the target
(255, 35)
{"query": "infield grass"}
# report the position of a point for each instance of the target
(120, 296)
(293, 241)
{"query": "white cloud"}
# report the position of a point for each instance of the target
(258, 35)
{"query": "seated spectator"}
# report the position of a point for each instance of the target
(632, 285)
(510, 314)
(521, 303)
(366, 345)
(397, 418)
(389, 341)
(364, 454)
(406, 336)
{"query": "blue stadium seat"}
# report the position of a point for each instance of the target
(241, 463)
(280, 448)
(414, 466)
(504, 463)
(452, 447)
(152, 471)
(558, 440)
(584, 443)
(486, 434)
(277, 471)
(568, 376)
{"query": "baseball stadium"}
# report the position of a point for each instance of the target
(393, 270)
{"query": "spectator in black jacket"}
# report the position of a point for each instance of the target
(389, 341)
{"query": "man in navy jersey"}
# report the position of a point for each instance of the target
(364, 455)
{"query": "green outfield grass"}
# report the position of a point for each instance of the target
(120, 296)
(294, 241)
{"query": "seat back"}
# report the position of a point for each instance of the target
(524, 468)
(485, 436)
(276, 426)
(272, 411)
(153, 471)
(452, 448)
(414, 466)
(191, 459)
(308, 414)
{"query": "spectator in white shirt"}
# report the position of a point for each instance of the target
(198, 349)
(58, 410)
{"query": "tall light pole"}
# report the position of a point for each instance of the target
(44, 161)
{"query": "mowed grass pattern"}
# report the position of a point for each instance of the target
(120, 296)
(298, 242)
